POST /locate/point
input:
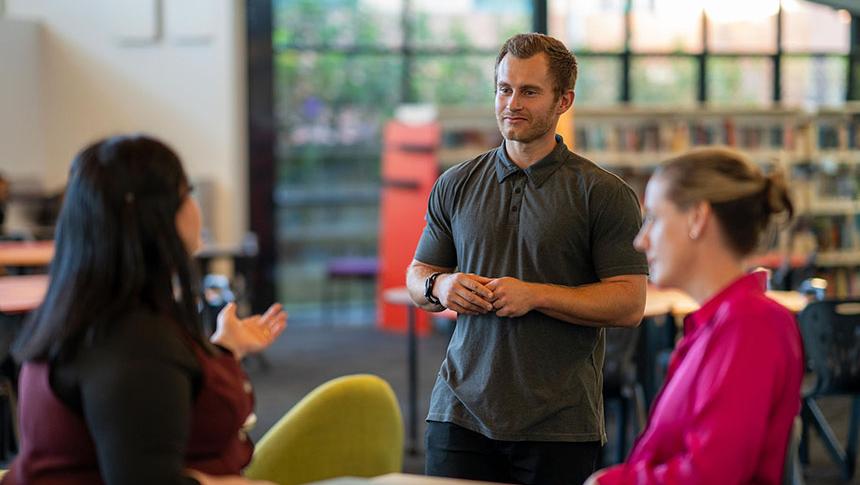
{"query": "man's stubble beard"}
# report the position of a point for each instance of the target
(538, 129)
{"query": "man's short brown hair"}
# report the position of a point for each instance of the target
(561, 62)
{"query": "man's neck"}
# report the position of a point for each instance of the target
(524, 155)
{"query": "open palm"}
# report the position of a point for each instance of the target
(248, 335)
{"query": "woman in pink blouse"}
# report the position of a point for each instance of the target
(733, 384)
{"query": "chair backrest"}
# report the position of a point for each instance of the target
(831, 340)
(349, 426)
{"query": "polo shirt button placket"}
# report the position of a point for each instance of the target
(516, 203)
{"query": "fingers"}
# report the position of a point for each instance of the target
(505, 307)
(480, 279)
(265, 328)
(506, 312)
(473, 294)
(273, 315)
(272, 310)
(278, 325)
(274, 321)
(460, 304)
(228, 313)
(470, 289)
(230, 309)
(472, 300)
(476, 285)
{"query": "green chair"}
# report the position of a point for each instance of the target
(349, 426)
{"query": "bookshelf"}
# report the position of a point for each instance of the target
(466, 133)
(830, 181)
(819, 151)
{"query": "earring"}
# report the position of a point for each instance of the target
(694, 235)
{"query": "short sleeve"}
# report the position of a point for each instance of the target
(615, 222)
(436, 246)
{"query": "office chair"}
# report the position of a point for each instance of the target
(831, 338)
(621, 387)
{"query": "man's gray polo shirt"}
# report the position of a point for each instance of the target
(563, 221)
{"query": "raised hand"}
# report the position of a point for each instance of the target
(248, 335)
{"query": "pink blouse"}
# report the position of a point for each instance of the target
(730, 397)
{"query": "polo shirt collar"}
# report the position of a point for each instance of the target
(539, 172)
(745, 285)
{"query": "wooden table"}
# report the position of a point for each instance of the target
(670, 301)
(21, 294)
(26, 253)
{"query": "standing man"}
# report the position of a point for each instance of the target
(533, 246)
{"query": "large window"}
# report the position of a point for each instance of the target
(718, 52)
(666, 26)
(588, 25)
(740, 81)
(741, 25)
(341, 67)
(599, 81)
(663, 81)
(812, 81)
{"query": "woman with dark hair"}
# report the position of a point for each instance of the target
(733, 385)
(119, 384)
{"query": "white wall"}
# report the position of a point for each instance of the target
(97, 80)
(22, 153)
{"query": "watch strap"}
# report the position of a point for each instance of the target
(429, 283)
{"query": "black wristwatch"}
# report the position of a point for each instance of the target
(428, 289)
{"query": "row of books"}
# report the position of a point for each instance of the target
(836, 232)
(675, 136)
(839, 135)
(842, 282)
(838, 183)
(472, 137)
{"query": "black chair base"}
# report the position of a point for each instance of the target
(845, 458)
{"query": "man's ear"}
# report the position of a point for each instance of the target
(565, 101)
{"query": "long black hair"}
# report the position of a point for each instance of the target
(116, 249)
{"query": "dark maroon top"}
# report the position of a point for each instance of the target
(137, 407)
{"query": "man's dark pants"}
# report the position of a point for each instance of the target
(456, 452)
